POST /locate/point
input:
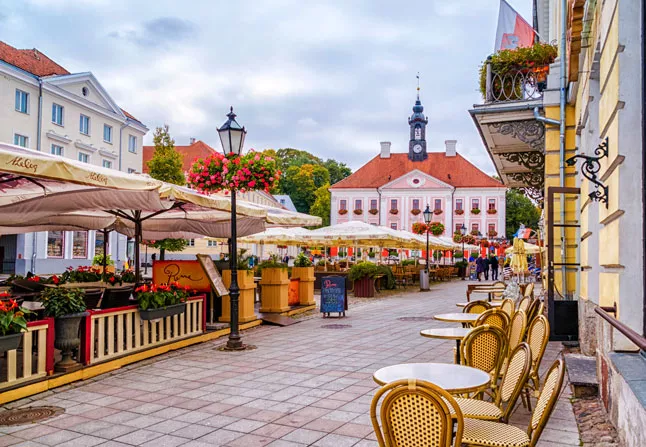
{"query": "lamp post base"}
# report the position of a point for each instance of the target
(242, 347)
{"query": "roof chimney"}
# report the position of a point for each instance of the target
(385, 149)
(191, 140)
(450, 147)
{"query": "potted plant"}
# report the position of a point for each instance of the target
(436, 228)
(343, 212)
(304, 271)
(247, 286)
(373, 211)
(457, 237)
(493, 233)
(274, 291)
(160, 301)
(437, 211)
(459, 212)
(419, 228)
(492, 211)
(415, 211)
(475, 211)
(12, 323)
(362, 274)
(358, 211)
(67, 307)
(371, 254)
(394, 211)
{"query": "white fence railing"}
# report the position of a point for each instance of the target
(33, 359)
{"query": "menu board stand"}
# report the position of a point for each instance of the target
(334, 295)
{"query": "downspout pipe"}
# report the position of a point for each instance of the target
(39, 124)
(123, 126)
(562, 101)
(542, 119)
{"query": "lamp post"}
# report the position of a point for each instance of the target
(232, 137)
(463, 232)
(428, 215)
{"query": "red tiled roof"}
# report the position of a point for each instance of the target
(32, 61)
(456, 171)
(189, 153)
(130, 116)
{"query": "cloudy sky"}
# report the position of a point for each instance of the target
(332, 77)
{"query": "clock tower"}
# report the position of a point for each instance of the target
(417, 123)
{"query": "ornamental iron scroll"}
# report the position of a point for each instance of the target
(590, 168)
(534, 194)
(530, 132)
(533, 179)
(531, 160)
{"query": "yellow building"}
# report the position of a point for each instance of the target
(595, 232)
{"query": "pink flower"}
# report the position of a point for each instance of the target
(257, 157)
(252, 184)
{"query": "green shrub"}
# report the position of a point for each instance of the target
(302, 261)
(98, 260)
(388, 273)
(362, 270)
(406, 262)
(458, 255)
(271, 263)
(58, 301)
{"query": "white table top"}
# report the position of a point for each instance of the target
(491, 303)
(448, 333)
(452, 378)
(457, 317)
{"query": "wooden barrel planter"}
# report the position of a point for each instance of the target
(364, 287)
(246, 311)
(274, 293)
(306, 287)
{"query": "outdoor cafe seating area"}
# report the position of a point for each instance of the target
(500, 342)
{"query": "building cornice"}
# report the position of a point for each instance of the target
(85, 147)
(58, 137)
(108, 154)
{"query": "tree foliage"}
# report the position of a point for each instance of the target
(301, 183)
(520, 210)
(321, 205)
(338, 171)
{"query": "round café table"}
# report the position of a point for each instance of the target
(457, 317)
(456, 379)
(448, 333)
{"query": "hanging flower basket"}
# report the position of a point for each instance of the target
(493, 233)
(358, 212)
(475, 211)
(373, 211)
(457, 238)
(249, 172)
(459, 212)
(492, 211)
(436, 228)
(415, 211)
(419, 228)
(474, 232)
(159, 301)
(343, 212)
(437, 211)
(394, 211)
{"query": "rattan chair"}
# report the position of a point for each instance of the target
(516, 333)
(476, 307)
(524, 303)
(494, 317)
(529, 290)
(511, 386)
(535, 309)
(508, 306)
(538, 335)
(416, 413)
(484, 348)
(495, 434)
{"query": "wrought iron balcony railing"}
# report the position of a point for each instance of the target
(521, 84)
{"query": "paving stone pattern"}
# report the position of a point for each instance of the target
(303, 385)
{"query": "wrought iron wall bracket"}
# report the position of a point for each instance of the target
(590, 168)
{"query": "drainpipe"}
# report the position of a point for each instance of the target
(379, 204)
(542, 119)
(121, 142)
(39, 124)
(563, 88)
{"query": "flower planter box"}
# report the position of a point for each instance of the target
(246, 310)
(274, 292)
(364, 288)
(306, 286)
(10, 342)
(162, 312)
(67, 339)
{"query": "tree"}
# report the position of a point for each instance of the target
(338, 171)
(295, 157)
(520, 210)
(301, 183)
(166, 165)
(321, 205)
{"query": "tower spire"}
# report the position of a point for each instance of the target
(418, 85)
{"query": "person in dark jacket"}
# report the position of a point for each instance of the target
(494, 267)
(481, 266)
(487, 266)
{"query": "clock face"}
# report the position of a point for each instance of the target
(417, 148)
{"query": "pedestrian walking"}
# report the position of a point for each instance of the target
(481, 265)
(487, 267)
(494, 267)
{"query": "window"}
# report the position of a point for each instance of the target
(211, 243)
(85, 158)
(107, 164)
(393, 204)
(132, 171)
(57, 114)
(373, 204)
(343, 205)
(458, 227)
(107, 133)
(393, 226)
(84, 125)
(57, 150)
(357, 204)
(55, 244)
(132, 144)
(22, 101)
(98, 244)
(491, 229)
(438, 204)
(415, 204)
(458, 204)
(79, 244)
(475, 227)
(475, 204)
(20, 140)
(190, 242)
(492, 204)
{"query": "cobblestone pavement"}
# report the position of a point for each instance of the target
(303, 385)
(594, 424)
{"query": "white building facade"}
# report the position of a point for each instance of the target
(46, 108)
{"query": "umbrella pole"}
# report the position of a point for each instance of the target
(105, 249)
(137, 241)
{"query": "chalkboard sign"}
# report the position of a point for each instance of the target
(333, 294)
(212, 274)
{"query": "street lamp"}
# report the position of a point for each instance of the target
(428, 215)
(463, 232)
(232, 138)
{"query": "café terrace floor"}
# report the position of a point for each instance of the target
(304, 385)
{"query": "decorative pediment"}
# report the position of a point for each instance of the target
(416, 179)
(86, 87)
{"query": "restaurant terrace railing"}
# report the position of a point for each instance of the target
(629, 333)
(33, 359)
(517, 84)
(115, 332)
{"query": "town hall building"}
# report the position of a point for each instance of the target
(393, 189)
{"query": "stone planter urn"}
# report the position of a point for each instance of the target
(246, 300)
(306, 286)
(10, 342)
(67, 339)
(364, 287)
(274, 291)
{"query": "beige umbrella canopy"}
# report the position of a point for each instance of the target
(530, 249)
(278, 236)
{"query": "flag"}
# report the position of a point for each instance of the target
(513, 31)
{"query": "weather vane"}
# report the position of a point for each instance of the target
(418, 85)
